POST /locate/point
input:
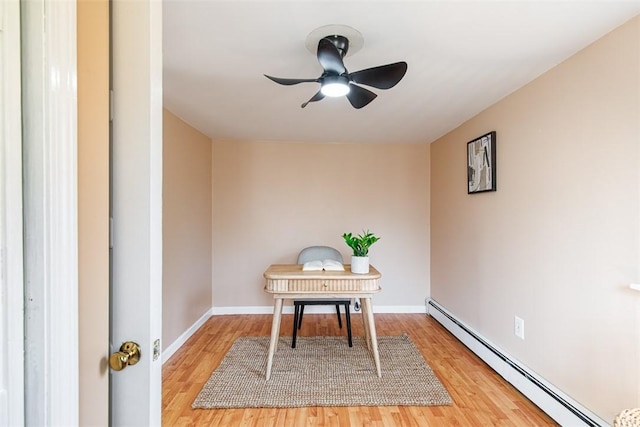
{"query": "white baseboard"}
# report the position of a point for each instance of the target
(175, 346)
(554, 402)
(258, 309)
(317, 309)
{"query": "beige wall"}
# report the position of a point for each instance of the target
(93, 209)
(558, 243)
(273, 199)
(186, 227)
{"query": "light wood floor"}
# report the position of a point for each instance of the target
(480, 396)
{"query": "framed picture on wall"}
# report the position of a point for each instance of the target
(481, 164)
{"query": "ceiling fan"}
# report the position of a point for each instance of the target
(337, 81)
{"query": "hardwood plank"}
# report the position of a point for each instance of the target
(480, 396)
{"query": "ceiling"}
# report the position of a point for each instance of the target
(462, 57)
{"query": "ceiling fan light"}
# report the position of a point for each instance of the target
(334, 89)
(334, 86)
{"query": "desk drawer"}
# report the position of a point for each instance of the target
(322, 285)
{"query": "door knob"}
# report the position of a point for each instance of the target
(129, 354)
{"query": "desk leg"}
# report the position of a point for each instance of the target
(275, 332)
(365, 323)
(279, 323)
(372, 333)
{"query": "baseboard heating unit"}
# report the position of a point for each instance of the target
(559, 406)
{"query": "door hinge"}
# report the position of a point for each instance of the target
(110, 232)
(110, 105)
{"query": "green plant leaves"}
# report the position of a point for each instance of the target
(360, 244)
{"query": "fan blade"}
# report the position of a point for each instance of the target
(317, 97)
(359, 96)
(382, 77)
(329, 57)
(289, 82)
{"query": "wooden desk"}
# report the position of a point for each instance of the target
(288, 281)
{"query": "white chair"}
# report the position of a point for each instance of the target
(315, 253)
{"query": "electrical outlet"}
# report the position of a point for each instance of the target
(518, 327)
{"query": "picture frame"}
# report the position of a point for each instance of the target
(481, 164)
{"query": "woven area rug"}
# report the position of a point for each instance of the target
(322, 371)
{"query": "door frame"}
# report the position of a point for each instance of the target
(49, 100)
(11, 267)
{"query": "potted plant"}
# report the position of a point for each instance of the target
(360, 245)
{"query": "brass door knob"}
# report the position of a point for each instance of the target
(129, 354)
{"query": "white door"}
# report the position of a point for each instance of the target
(136, 34)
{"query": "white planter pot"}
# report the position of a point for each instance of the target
(360, 264)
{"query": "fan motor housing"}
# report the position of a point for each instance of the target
(340, 42)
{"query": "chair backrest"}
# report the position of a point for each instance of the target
(315, 253)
